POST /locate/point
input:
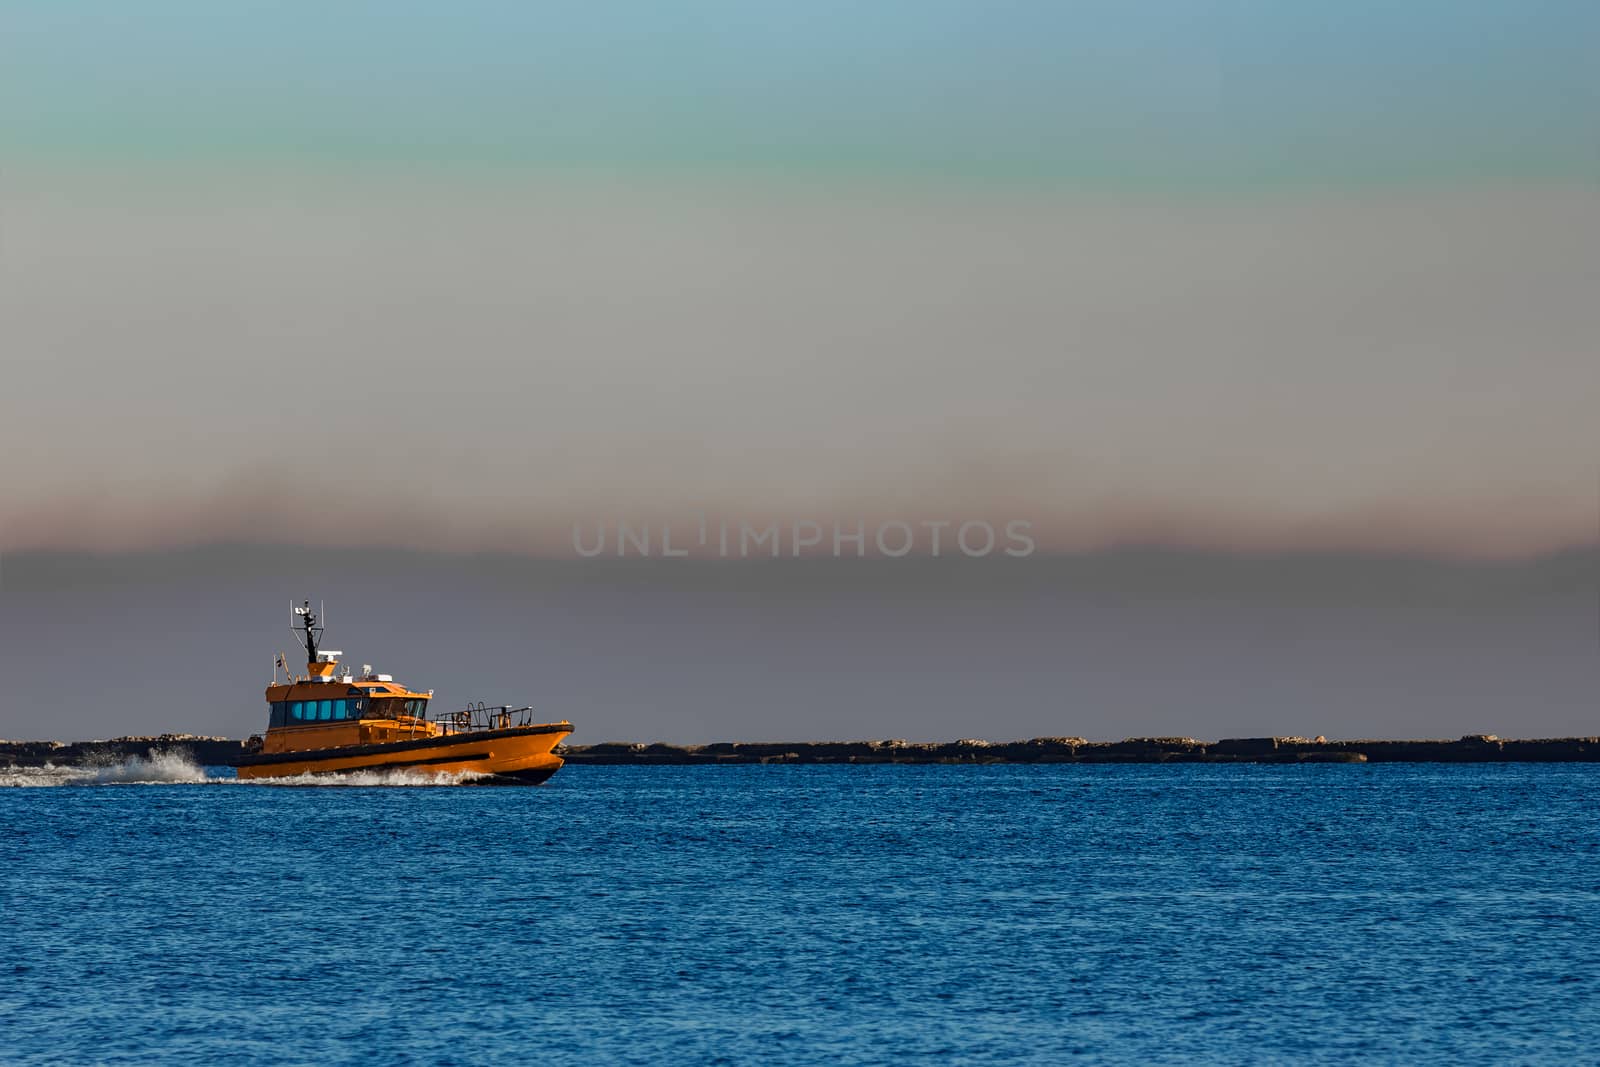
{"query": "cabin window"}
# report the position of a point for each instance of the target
(331, 710)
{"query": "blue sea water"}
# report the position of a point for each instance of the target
(782, 914)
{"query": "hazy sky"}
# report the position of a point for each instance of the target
(1104, 645)
(1255, 275)
(1300, 295)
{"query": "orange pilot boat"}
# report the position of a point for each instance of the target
(328, 721)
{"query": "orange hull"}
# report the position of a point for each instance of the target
(520, 755)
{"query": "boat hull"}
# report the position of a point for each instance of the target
(518, 756)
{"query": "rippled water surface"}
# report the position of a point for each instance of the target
(806, 914)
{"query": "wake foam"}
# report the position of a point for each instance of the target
(408, 778)
(49, 774)
(159, 768)
(176, 768)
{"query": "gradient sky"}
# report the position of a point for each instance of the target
(1245, 275)
(1171, 93)
(1299, 296)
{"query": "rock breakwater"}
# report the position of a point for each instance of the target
(1474, 748)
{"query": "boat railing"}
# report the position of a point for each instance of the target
(477, 717)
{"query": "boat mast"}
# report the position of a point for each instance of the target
(309, 632)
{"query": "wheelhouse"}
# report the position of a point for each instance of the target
(353, 707)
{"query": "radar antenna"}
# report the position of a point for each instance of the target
(304, 624)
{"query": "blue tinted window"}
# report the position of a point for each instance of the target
(327, 710)
(295, 709)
